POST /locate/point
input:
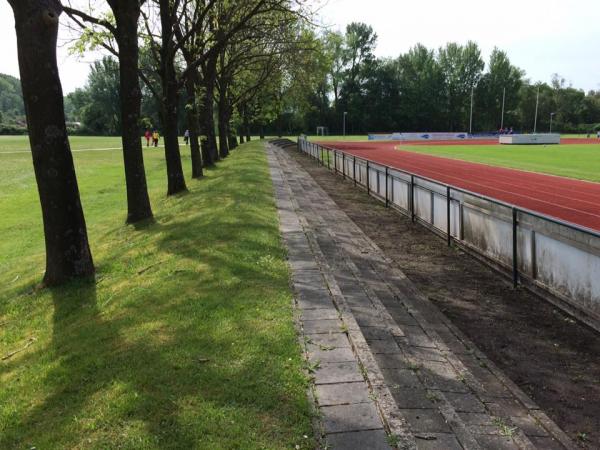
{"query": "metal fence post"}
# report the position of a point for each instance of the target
(344, 165)
(368, 184)
(387, 202)
(328, 159)
(515, 262)
(448, 215)
(412, 198)
(322, 158)
(335, 162)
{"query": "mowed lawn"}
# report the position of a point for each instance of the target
(574, 161)
(186, 338)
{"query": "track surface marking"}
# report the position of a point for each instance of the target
(567, 199)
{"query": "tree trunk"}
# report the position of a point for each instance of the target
(208, 120)
(262, 131)
(223, 122)
(193, 127)
(138, 203)
(232, 141)
(67, 249)
(176, 180)
(241, 137)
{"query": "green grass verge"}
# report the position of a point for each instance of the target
(574, 161)
(186, 340)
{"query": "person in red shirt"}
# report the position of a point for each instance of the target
(148, 136)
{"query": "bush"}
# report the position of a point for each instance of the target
(12, 129)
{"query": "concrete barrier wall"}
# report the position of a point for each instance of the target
(560, 258)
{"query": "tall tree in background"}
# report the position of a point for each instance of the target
(462, 67)
(125, 31)
(67, 250)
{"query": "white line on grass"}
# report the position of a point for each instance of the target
(78, 150)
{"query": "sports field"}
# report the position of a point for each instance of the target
(186, 340)
(490, 169)
(567, 160)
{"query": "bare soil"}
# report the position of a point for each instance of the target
(551, 356)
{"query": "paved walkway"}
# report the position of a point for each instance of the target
(389, 369)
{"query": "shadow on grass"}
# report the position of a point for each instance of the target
(194, 352)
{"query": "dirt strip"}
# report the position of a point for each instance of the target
(554, 359)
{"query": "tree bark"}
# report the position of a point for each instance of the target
(67, 249)
(193, 124)
(223, 122)
(208, 120)
(175, 178)
(126, 14)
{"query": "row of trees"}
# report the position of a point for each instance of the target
(197, 59)
(430, 90)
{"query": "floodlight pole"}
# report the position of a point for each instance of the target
(471, 116)
(551, 116)
(503, 98)
(344, 124)
(537, 102)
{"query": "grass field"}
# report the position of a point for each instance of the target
(186, 339)
(574, 161)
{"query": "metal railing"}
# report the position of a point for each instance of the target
(534, 247)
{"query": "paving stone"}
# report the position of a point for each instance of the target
(343, 372)
(342, 393)
(320, 314)
(309, 277)
(425, 421)
(401, 316)
(358, 440)
(322, 326)
(426, 354)
(529, 426)
(465, 402)
(384, 346)
(507, 407)
(330, 355)
(401, 378)
(442, 376)
(357, 300)
(329, 340)
(367, 318)
(391, 361)
(375, 333)
(417, 337)
(476, 418)
(302, 263)
(490, 442)
(354, 417)
(413, 398)
(546, 443)
(387, 297)
(313, 298)
(437, 441)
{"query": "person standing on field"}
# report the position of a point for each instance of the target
(148, 136)
(155, 138)
(186, 137)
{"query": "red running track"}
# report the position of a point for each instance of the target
(567, 199)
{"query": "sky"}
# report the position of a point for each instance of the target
(542, 37)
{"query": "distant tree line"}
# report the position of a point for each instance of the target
(430, 90)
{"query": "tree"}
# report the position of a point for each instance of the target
(67, 250)
(124, 30)
(421, 86)
(501, 79)
(461, 67)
